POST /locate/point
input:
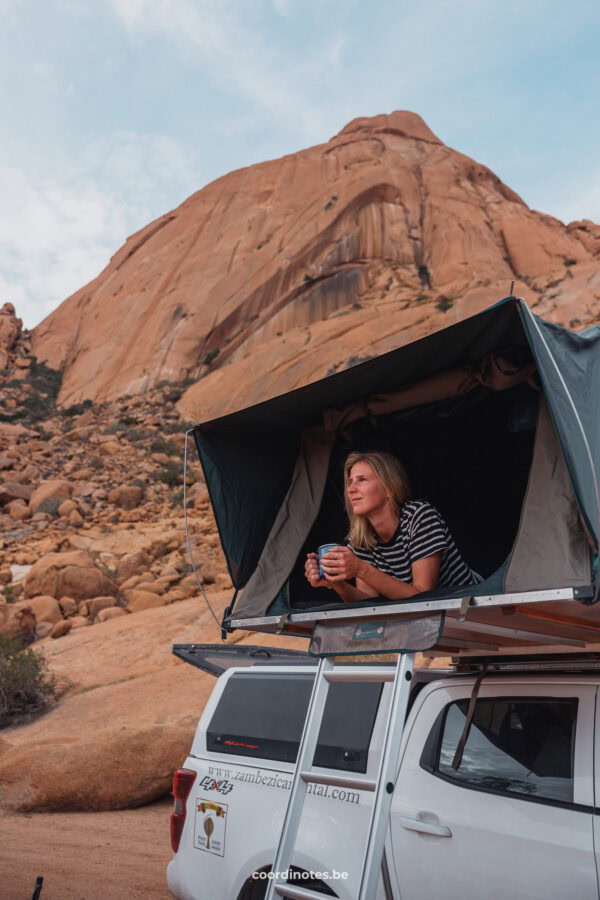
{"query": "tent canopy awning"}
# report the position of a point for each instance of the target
(260, 460)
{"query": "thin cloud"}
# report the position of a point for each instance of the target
(242, 59)
(58, 232)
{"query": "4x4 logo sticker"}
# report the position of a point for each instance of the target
(211, 784)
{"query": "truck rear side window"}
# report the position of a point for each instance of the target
(262, 715)
(519, 746)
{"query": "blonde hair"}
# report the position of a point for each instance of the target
(390, 474)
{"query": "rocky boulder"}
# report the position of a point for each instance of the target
(18, 621)
(66, 508)
(6, 462)
(127, 496)
(588, 233)
(12, 490)
(46, 609)
(71, 574)
(15, 432)
(61, 628)
(11, 334)
(109, 448)
(97, 604)
(132, 564)
(68, 606)
(10, 327)
(54, 492)
(110, 612)
(140, 600)
(18, 510)
(122, 767)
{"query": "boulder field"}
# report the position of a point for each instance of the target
(87, 536)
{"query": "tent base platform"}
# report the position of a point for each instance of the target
(561, 620)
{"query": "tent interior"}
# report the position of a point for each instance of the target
(470, 456)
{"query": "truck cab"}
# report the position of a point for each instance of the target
(511, 816)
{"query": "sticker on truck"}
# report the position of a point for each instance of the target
(209, 826)
(219, 777)
(211, 784)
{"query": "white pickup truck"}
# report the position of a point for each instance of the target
(516, 819)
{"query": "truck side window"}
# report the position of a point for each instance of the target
(521, 746)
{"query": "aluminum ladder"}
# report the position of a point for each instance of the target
(382, 787)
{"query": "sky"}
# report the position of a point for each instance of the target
(112, 112)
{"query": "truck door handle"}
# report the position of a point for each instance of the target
(424, 827)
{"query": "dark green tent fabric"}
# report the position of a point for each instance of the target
(248, 457)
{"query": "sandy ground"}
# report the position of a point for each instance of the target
(87, 856)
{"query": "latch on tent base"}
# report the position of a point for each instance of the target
(464, 609)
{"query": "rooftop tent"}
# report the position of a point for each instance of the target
(495, 419)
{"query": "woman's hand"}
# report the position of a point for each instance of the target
(311, 570)
(340, 564)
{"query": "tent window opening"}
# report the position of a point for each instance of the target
(469, 456)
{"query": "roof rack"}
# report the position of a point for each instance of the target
(546, 622)
(559, 662)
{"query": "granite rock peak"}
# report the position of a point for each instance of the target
(279, 273)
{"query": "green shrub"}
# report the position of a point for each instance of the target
(9, 594)
(40, 402)
(171, 475)
(26, 687)
(13, 417)
(44, 435)
(141, 484)
(138, 435)
(160, 445)
(38, 406)
(214, 353)
(50, 506)
(115, 428)
(173, 428)
(172, 396)
(177, 498)
(44, 380)
(77, 409)
(356, 360)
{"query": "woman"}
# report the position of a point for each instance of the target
(397, 547)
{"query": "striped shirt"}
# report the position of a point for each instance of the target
(421, 532)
